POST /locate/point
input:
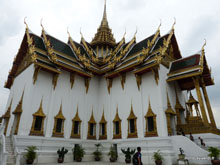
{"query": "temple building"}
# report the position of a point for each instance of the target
(120, 93)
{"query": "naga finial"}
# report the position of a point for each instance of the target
(204, 44)
(174, 23)
(68, 31)
(41, 23)
(124, 33)
(25, 22)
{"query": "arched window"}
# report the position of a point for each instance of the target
(132, 126)
(117, 126)
(102, 128)
(76, 125)
(91, 128)
(151, 124)
(58, 129)
(37, 128)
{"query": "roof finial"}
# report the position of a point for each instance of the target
(41, 24)
(68, 31)
(25, 22)
(81, 33)
(204, 45)
(124, 33)
(104, 19)
(174, 23)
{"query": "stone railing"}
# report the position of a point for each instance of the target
(3, 152)
(17, 153)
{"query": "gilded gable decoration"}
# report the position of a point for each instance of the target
(151, 123)
(103, 127)
(117, 126)
(76, 126)
(58, 129)
(37, 127)
(91, 128)
(132, 124)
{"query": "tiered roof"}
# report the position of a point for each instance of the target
(51, 54)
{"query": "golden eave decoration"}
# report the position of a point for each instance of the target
(19, 109)
(7, 113)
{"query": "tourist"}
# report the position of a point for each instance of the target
(201, 141)
(191, 136)
(137, 157)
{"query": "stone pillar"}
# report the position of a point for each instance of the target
(208, 105)
(201, 104)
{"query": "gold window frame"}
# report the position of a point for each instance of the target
(76, 119)
(61, 117)
(91, 121)
(116, 119)
(39, 113)
(103, 121)
(132, 117)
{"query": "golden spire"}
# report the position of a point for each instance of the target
(104, 34)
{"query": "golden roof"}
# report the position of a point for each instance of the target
(104, 34)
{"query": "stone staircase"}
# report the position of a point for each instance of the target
(10, 150)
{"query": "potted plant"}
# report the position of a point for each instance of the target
(113, 155)
(97, 153)
(31, 154)
(181, 155)
(157, 157)
(214, 155)
(128, 154)
(61, 153)
(78, 153)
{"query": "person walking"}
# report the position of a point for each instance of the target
(137, 157)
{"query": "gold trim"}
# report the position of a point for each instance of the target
(201, 104)
(156, 74)
(109, 84)
(87, 80)
(169, 112)
(91, 121)
(36, 72)
(54, 81)
(150, 113)
(132, 117)
(123, 80)
(39, 113)
(7, 116)
(76, 119)
(138, 80)
(103, 121)
(178, 108)
(116, 119)
(17, 112)
(72, 79)
(58, 116)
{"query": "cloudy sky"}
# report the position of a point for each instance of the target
(196, 20)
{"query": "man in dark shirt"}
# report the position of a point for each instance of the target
(139, 156)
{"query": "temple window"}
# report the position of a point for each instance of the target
(76, 124)
(132, 127)
(37, 128)
(117, 126)
(102, 131)
(151, 124)
(91, 128)
(58, 130)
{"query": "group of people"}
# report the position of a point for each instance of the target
(192, 138)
